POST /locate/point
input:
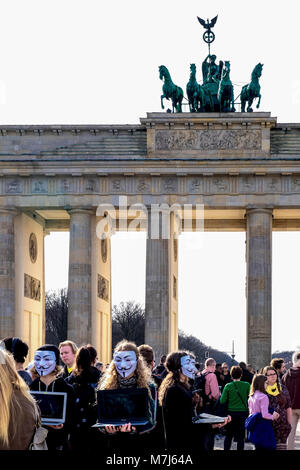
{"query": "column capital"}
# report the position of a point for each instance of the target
(259, 210)
(9, 210)
(80, 210)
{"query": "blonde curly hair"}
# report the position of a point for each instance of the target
(109, 380)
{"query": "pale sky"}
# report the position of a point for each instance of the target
(96, 62)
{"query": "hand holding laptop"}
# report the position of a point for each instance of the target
(124, 428)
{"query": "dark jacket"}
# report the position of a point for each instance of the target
(291, 380)
(58, 438)
(178, 412)
(65, 373)
(20, 432)
(247, 376)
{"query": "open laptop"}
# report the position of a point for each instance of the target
(118, 407)
(52, 405)
(205, 418)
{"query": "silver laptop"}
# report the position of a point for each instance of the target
(205, 418)
(53, 406)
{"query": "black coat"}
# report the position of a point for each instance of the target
(178, 412)
(58, 438)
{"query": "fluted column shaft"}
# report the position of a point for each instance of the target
(7, 273)
(161, 311)
(259, 286)
(79, 289)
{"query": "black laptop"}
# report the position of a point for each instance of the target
(52, 405)
(118, 407)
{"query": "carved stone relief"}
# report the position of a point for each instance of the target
(104, 249)
(14, 186)
(117, 185)
(33, 247)
(66, 185)
(143, 185)
(174, 287)
(170, 185)
(32, 288)
(39, 186)
(214, 139)
(220, 184)
(175, 248)
(195, 185)
(103, 288)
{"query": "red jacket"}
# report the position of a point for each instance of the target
(292, 381)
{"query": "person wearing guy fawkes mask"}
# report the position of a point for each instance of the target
(46, 359)
(128, 370)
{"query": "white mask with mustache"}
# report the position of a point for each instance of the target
(188, 366)
(125, 362)
(44, 362)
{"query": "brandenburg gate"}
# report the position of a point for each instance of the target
(242, 168)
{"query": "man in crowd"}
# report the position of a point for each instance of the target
(220, 376)
(148, 355)
(226, 374)
(292, 381)
(212, 394)
(161, 366)
(67, 351)
(279, 365)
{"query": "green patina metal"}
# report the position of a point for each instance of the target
(252, 90)
(216, 94)
(170, 91)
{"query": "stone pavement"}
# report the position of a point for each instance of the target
(219, 443)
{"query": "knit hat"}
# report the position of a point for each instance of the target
(50, 347)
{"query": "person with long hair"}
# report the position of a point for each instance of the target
(178, 404)
(258, 402)
(18, 413)
(46, 359)
(84, 380)
(126, 371)
(280, 401)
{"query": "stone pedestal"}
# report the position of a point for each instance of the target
(259, 286)
(162, 288)
(7, 273)
(79, 289)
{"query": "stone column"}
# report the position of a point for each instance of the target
(259, 286)
(7, 272)
(79, 289)
(161, 289)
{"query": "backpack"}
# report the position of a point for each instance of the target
(85, 412)
(199, 384)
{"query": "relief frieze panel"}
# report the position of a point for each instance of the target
(272, 184)
(169, 184)
(14, 186)
(206, 140)
(39, 186)
(143, 185)
(117, 185)
(32, 288)
(66, 185)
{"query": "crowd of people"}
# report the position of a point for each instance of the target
(260, 406)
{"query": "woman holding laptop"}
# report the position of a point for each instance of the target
(128, 372)
(46, 359)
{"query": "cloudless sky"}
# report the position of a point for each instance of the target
(95, 62)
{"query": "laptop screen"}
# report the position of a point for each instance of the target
(52, 406)
(124, 405)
